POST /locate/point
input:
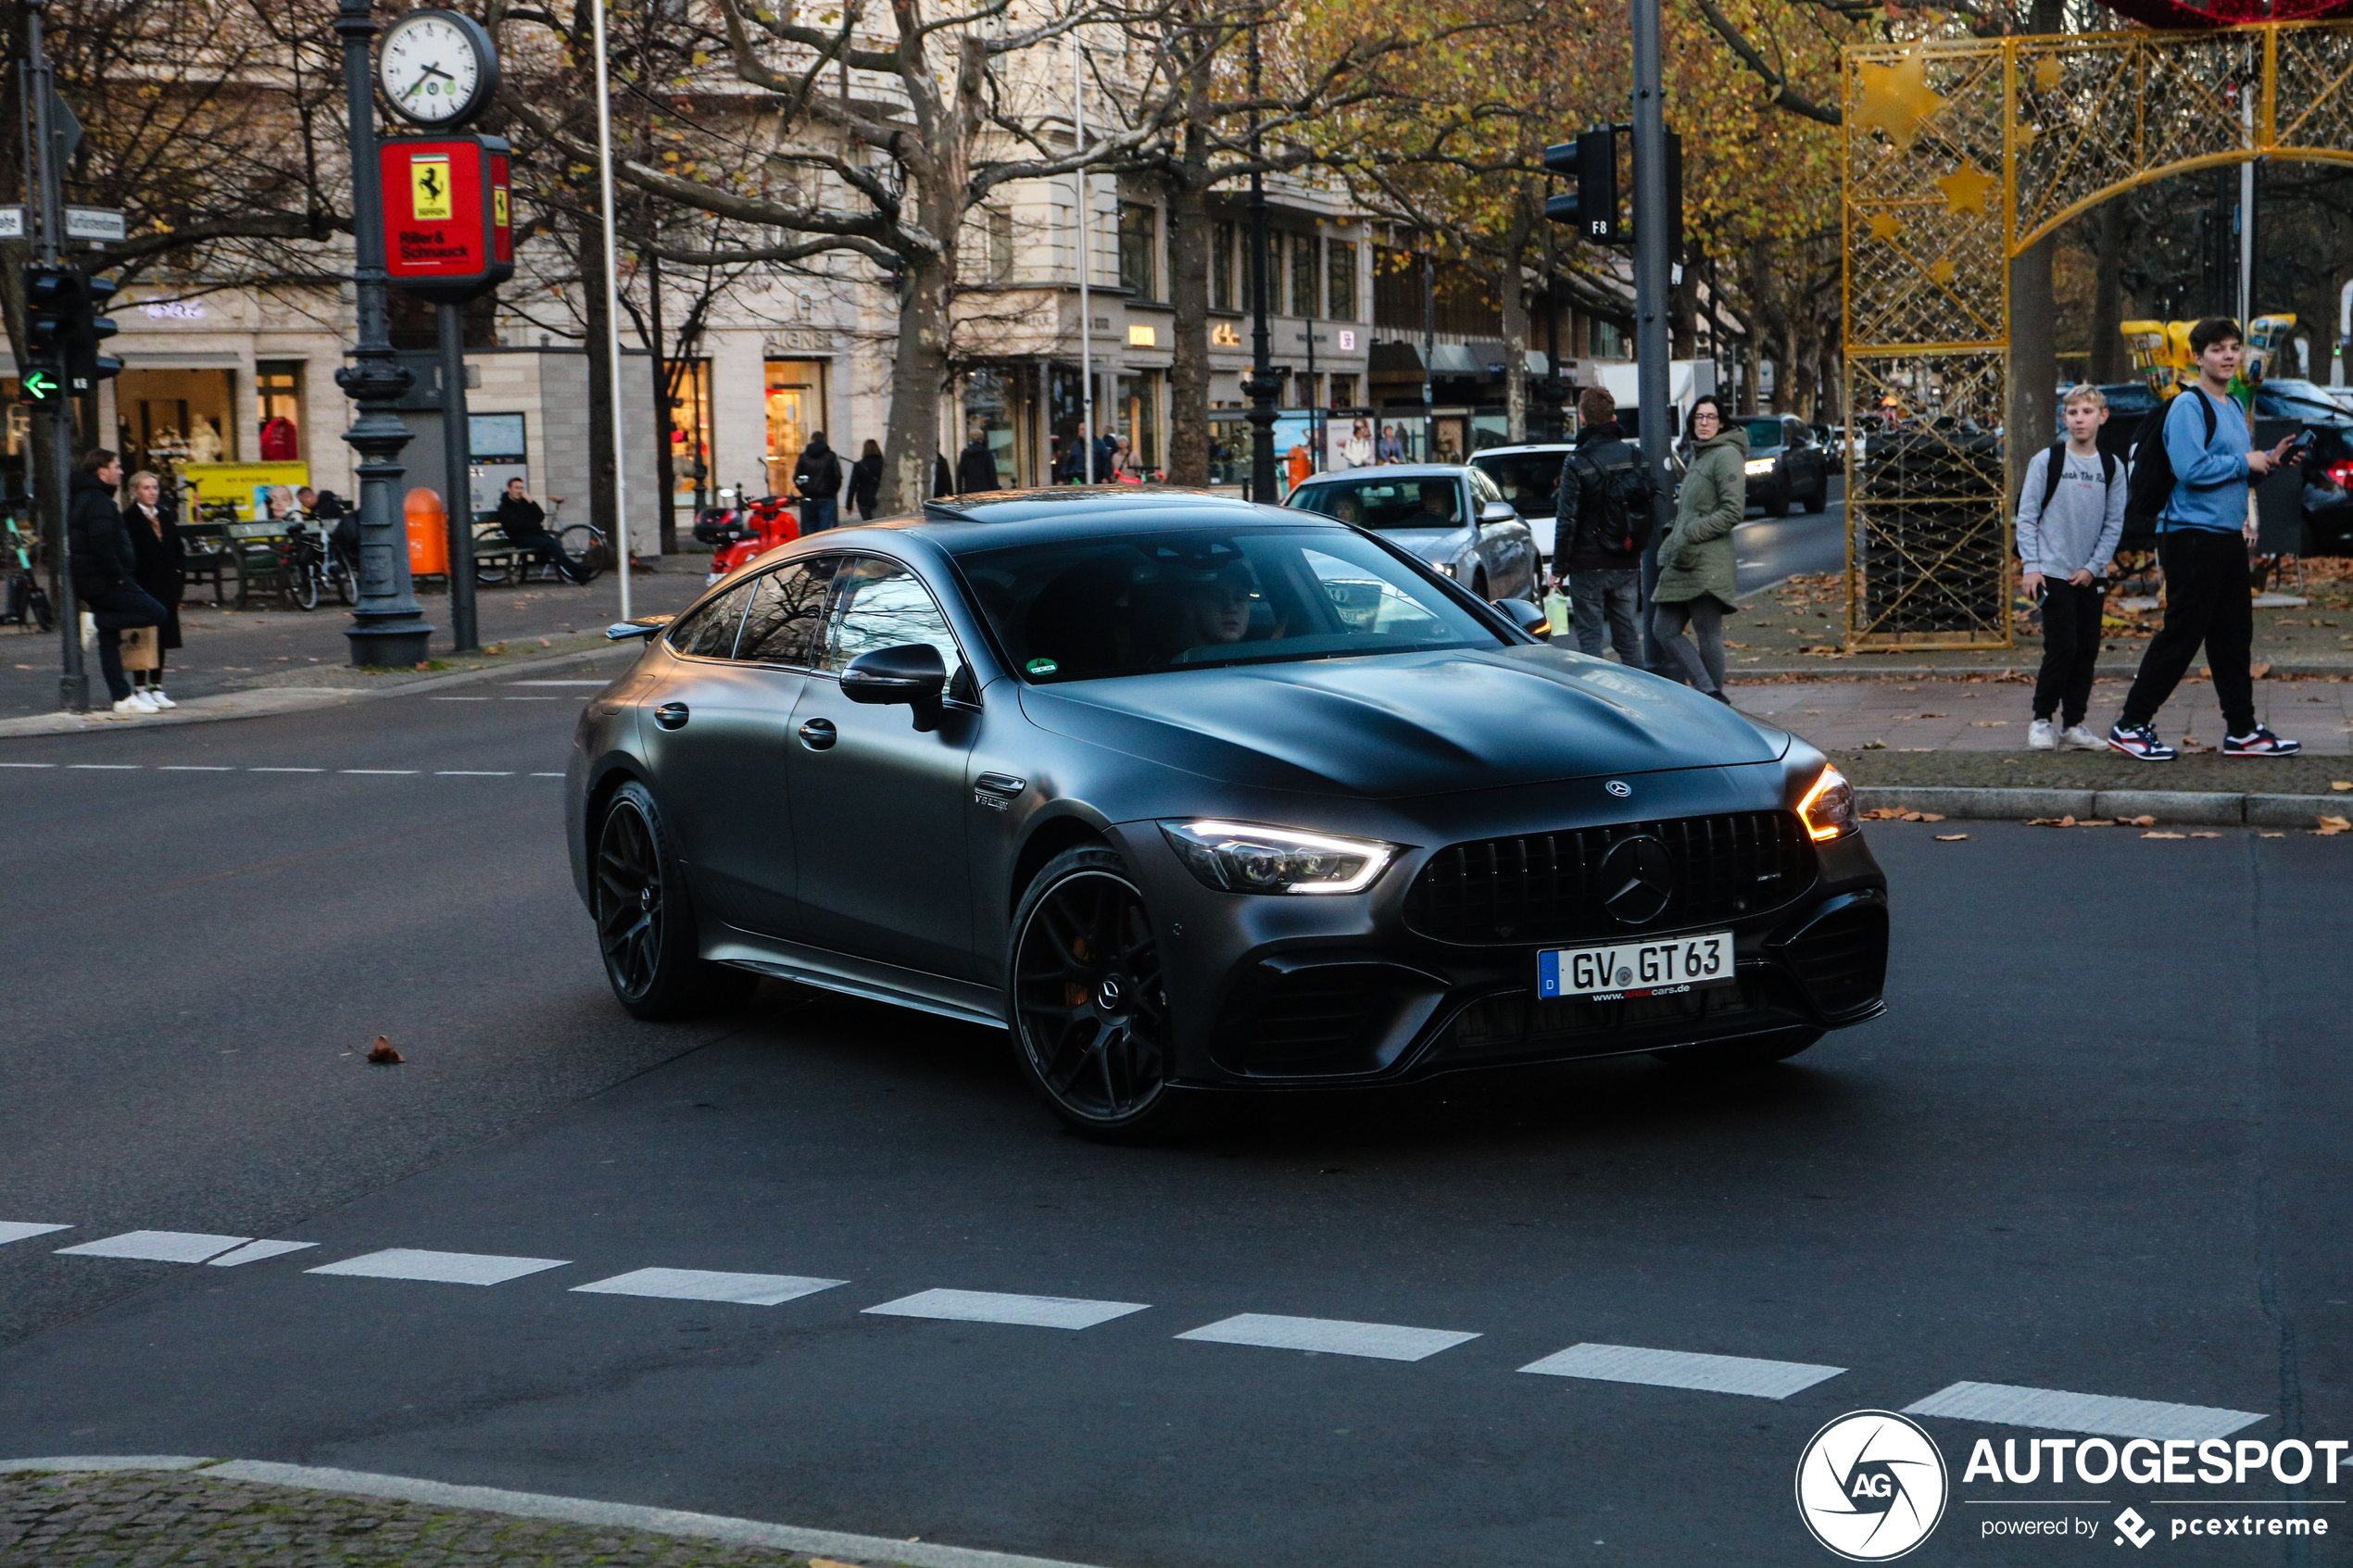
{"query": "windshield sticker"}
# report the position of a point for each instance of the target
(1041, 667)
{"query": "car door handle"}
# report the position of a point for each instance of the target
(819, 734)
(670, 715)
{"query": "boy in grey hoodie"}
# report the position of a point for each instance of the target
(2070, 514)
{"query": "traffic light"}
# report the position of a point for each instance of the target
(52, 297)
(84, 365)
(1592, 161)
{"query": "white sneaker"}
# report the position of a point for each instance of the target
(134, 705)
(2042, 736)
(2078, 738)
(155, 695)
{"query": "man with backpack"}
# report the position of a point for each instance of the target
(2192, 478)
(818, 478)
(2070, 515)
(1606, 504)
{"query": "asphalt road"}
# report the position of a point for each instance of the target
(2097, 1147)
(1773, 547)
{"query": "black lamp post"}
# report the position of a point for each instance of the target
(387, 629)
(1262, 383)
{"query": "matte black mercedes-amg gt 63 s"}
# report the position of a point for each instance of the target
(1192, 795)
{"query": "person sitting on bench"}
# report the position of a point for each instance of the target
(525, 527)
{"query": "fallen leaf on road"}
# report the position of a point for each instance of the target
(2260, 668)
(1931, 716)
(2162, 835)
(2205, 836)
(1988, 723)
(1932, 816)
(382, 1053)
(2137, 821)
(1874, 746)
(2341, 783)
(1950, 837)
(2331, 826)
(2066, 821)
(2271, 835)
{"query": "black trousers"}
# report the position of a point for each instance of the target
(2205, 601)
(2071, 649)
(546, 546)
(115, 610)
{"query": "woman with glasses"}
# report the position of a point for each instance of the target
(1697, 570)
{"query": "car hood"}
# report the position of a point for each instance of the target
(1406, 724)
(1431, 544)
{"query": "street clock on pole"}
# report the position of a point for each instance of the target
(436, 69)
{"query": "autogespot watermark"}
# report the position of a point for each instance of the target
(1873, 1484)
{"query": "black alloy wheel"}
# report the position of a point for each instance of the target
(645, 921)
(302, 585)
(1090, 1002)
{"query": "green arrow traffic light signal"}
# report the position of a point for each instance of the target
(38, 387)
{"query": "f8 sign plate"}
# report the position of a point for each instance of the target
(1636, 969)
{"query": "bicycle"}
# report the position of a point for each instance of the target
(302, 568)
(26, 602)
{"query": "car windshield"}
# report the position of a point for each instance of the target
(1084, 608)
(1432, 502)
(1766, 433)
(1529, 480)
(2298, 400)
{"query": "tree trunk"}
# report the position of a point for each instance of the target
(1513, 288)
(1187, 188)
(2109, 361)
(601, 510)
(2034, 358)
(918, 375)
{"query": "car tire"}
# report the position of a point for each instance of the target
(1478, 584)
(646, 918)
(1086, 1003)
(1736, 1056)
(1779, 506)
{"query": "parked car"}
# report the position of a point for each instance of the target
(1189, 795)
(2308, 509)
(1449, 514)
(1529, 477)
(1788, 468)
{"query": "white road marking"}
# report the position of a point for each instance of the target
(1683, 1369)
(193, 768)
(157, 1246)
(404, 771)
(465, 700)
(702, 1284)
(599, 684)
(254, 1252)
(531, 699)
(472, 773)
(2101, 1414)
(17, 1230)
(440, 1268)
(988, 1306)
(285, 770)
(1333, 1336)
(27, 764)
(104, 767)
(546, 775)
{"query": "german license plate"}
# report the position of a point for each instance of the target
(1636, 969)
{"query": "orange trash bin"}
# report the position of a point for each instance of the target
(428, 533)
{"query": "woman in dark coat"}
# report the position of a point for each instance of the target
(153, 522)
(865, 479)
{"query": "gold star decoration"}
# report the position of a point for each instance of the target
(2025, 136)
(1966, 187)
(1885, 225)
(1896, 99)
(2049, 73)
(1942, 271)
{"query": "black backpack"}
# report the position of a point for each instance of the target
(2053, 469)
(2152, 470)
(1627, 499)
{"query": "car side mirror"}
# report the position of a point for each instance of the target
(643, 626)
(1497, 511)
(912, 673)
(1528, 618)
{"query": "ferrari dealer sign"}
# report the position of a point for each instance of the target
(447, 223)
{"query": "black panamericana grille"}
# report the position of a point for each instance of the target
(1312, 1013)
(1843, 958)
(1547, 887)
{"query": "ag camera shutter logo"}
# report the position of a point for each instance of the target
(1871, 1486)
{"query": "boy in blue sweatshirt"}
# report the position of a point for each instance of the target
(2202, 537)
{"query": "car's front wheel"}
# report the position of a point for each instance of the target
(645, 921)
(1089, 1003)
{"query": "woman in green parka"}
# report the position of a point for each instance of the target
(1696, 566)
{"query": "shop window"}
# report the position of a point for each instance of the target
(1306, 275)
(796, 405)
(168, 419)
(1140, 248)
(1222, 242)
(1138, 415)
(278, 414)
(989, 397)
(1609, 339)
(1001, 246)
(693, 464)
(1339, 280)
(1344, 391)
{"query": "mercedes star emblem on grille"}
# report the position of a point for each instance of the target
(1638, 877)
(1619, 788)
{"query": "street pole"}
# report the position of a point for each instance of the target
(1086, 305)
(457, 450)
(1652, 346)
(1262, 369)
(74, 679)
(387, 629)
(612, 304)
(1429, 348)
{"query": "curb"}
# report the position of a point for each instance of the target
(540, 1505)
(1846, 668)
(2206, 808)
(258, 702)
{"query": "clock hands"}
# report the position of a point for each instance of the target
(430, 71)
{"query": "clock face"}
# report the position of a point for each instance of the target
(429, 68)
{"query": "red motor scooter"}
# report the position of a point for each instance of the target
(741, 533)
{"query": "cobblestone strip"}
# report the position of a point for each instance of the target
(135, 1519)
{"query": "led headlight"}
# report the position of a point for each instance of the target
(1756, 466)
(1828, 809)
(1245, 857)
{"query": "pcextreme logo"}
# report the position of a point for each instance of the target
(1871, 1486)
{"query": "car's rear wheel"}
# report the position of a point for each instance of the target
(646, 922)
(1734, 1056)
(1090, 1002)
